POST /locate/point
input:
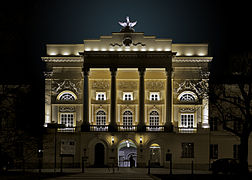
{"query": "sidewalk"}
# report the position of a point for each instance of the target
(121, 171)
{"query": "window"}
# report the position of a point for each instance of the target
(214, 124)
(213, 151)
(127, 96)
(100, 118)
(100, 96)
(66, 96)
(127, 118)
(187, 120)
(187, 98)
(236, 151)
(154, 121)
(67, 119)
(154, 96)
(187, 150)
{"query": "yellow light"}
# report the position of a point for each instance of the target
(104, 49)
(53, 53)
(135, 49)
(167, 49)
(188, 54)
(112, 139)
(65, 53)
(159, 49)
(201, 54)
(141, 140)
(87, 49)
(143, 49)
(151, 49)
(95, 49)
(111, 49)
(127, 48)
(119, 49)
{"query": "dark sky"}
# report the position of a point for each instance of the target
(26, 26)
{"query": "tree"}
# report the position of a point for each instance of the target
(232, 100)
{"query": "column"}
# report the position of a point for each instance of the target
(141, 124)
(168, 123)
(85, 125)
(113, 126)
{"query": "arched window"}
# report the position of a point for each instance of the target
(154, 121)
(127, 118)
(187, 97)
(66, 96)
(100, 118)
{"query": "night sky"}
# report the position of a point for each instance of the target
(26, 26)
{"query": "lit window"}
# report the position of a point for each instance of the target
(127, 118)
(187, 120)
(100, 118)
(66, 96)
(187, 150)
(154, 96)
(154, 121)
(127, 96)
(100, 96)
(187, 98)
(154, 118)
(67, 119)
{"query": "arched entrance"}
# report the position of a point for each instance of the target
(155, 153)
(126, 150)
(99, 155)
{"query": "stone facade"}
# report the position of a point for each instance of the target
(149, 95)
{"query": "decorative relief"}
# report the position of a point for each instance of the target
(187, 110)
(100, 85)
(155, 85)
(59, 86)
(200, 88)
(127, 85)
(48, 75)
(66, 109)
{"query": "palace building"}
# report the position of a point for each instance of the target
(126, 95)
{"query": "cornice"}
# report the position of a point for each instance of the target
(192, 59)
(62, 59)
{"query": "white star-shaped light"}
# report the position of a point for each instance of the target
(127, 23)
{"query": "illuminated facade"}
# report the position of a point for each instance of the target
(128, 95)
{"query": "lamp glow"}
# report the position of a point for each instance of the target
(141, 140)
(112, 140)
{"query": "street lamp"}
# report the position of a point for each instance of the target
(55, 126)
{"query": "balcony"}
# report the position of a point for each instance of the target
(155, 128)
(187, 130)
(99, 128)
(124, 128)
(127, 128)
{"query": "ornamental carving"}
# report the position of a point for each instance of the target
(200, 87)
(186, 110)
(59, 86)
(48, 74)
(66, 109)
(155, 85)
(127, 85)
(100, 85)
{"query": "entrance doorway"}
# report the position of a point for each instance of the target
(99, 155)
(155, 155)
(127, 151)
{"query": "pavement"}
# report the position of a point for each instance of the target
(117, 174)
